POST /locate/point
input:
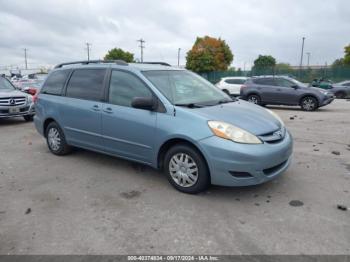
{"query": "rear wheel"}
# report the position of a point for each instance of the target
(340, 95)
(56, 140)
(255, 99)
(28, 118)
(309, 103)
(186, 169)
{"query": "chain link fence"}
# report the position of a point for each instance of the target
(306, 75)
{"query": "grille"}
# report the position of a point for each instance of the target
(13, 101)
(274, 136)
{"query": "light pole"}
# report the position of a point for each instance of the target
(25, 58)
(88, 50)
(302, 54)
(142, 47)
(178, 57)
(308, 58)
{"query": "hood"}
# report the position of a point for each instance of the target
(11, 93)
(252, 118)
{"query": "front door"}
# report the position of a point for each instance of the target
(128, 132)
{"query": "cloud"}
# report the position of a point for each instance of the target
(56, 31)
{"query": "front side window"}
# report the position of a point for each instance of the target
(124, 87)
(235, 81)
(55, 82)
(264, 81)
(284, 82)
(5, 84)
(86, 84)
(184, 87)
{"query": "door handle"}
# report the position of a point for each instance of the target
(108, 110)
(278, 89)
(96, 108)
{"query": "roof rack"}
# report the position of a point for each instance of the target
(155, 63)
(86, 62)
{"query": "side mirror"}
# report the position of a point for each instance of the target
(147, 103)
(295, 87)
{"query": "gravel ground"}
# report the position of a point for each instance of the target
(88, 203)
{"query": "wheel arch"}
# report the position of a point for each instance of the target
(170, 143)
(46, 123)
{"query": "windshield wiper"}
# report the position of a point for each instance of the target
(190, 105)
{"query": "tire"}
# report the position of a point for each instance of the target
(255, 99)
(28, 118)
(186, 169)
(340, 95)
(309, 103)
(56, 140)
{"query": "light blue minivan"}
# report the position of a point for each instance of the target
(165, 117)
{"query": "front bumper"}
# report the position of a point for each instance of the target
(327, 100)
(23, 111)
(234, 164)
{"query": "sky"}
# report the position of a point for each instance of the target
(57, 31)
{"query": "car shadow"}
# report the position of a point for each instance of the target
(12, 121)
(291, 108)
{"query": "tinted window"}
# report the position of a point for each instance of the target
(55, 82)
(264, 81)
(235, 81)
(86, 84)
(347, 84)
(124, 87)
(284, 82)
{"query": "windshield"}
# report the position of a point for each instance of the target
(186, 88)
(5, 84)
(298, 83)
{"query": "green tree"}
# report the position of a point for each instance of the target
(118, 53)
(209, 54)
(346, 59)
(283, 67)
(264, 62)
(338, 63)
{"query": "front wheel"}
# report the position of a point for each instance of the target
(56, 140)
(255, 99)
(186, 169)
(309, 103)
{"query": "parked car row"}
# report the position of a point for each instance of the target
(283, 90)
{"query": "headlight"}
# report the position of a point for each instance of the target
(276, 116)
(231, 132)
(30, 99)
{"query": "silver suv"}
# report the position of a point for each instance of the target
(14, 103)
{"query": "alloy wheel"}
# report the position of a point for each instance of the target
(183, 170)
(54, 139)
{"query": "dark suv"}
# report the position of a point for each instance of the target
(282, 90)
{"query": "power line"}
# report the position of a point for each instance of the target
(25, 58)
(142, 47)
(88, 50)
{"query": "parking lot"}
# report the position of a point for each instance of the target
(88, 203)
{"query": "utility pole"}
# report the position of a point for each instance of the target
(142, 47)
(308, 58)
(25, 58)
(302, 53)
(88, 50)
(178, 57)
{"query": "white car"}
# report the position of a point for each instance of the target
(232, 85)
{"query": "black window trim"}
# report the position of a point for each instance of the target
(42, 91)
(89, 68)
(160, 109)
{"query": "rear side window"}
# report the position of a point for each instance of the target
(264, 81)
(124, 87)
(235, 81)
(55, 82)
(86, 84)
